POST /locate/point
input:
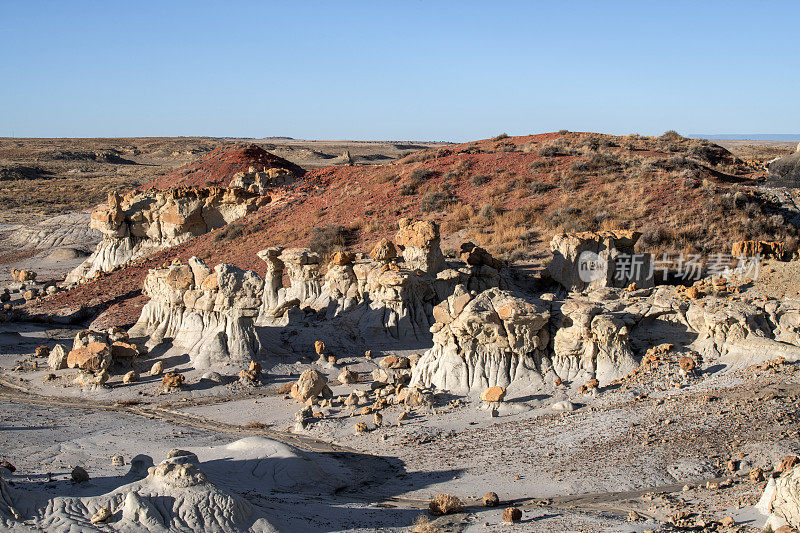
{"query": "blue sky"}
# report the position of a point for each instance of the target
(396, 70)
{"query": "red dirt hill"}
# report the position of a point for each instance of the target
(217, 168)
(509, 195)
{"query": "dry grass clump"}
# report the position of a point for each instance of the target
(232, 231)
(437, 200)
(423, 525)
(254, 424)
(329, 239)
(443, 504)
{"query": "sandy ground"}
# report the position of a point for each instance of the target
(631, 447)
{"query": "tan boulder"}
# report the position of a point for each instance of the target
(310, 385)
(494, 394)
(512, 514)
(157, 368)
(22, 275)
(41, 351)
(342, 258)
(319, 347)
(474, 255)
(102, 514)
(130, 377)
(383, 251)
(173, 380)
(92, 357)
(122, 350)
(57, 360)
(490, 499)
(444, 504)
(252, 373)
(787, 463)
(687, 364)
(348, 377)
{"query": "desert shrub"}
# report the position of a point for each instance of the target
(458, 169)
(549, 149)
(569, 181)
(540, 164)
(463, 212)
(420, 175)
(424, 525)
(500, 137)
(565, 218)
(408, 189)
(538, 187)
(256, 425)
(444, 504)
(505, 147)
(436, 200)
(487, 211)
(420, 156)
(478, 179)
(653, 235)
(230, 232)
(555, 147)
(328, 239)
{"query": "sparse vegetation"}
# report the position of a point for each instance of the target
(326, 240)
(443, 504)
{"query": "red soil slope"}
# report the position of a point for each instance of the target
(217, 167)
(503, 194)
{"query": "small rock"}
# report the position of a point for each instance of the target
(490, 499)
(564, 405)
(348, 376)
(377, 419)
(361, 427)
(319, 347)
(79, 475)
(41, 351)
(213, 377)
(130, 377)
(157, 368)
(102, 514)
(173, 380)
(512, 514)
(117, 460)
(493, 394)
(58, 358)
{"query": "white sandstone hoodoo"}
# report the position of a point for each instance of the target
(208, 314)
(141, 223)
(491, 339)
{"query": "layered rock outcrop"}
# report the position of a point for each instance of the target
(144, 222)
(782, 499)
(600, 336)
(482, 341)
(261, 181)
(208, 314)
(385, 293)
(585, 261)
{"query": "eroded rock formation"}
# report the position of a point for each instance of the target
(143, 222)
(482, 341)
(207, 313)
(585, 261)
(384, 294)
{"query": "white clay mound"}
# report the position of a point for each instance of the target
(180, 494)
